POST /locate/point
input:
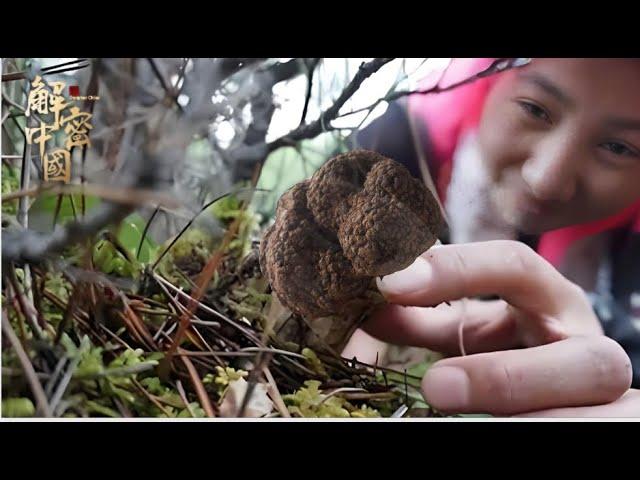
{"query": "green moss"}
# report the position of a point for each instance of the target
(224, 376)
(18, 407)
(10, 183)
(309, 401)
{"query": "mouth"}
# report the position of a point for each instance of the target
(521, 209)
(526, 204)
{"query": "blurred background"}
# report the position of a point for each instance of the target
(230, 115)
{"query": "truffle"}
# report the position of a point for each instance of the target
(361, 215)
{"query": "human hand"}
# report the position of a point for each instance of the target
(539, 351)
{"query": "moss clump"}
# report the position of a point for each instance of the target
(310, 402)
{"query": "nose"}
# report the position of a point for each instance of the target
(551, 171)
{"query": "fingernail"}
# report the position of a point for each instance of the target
(447, 388)
(409, 280)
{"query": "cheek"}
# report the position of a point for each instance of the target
(501, 144)
(611, 191)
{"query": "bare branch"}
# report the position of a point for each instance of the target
(52, 70)
(27, 368)
(262, 109)
(171, 93)
(321, 124)
(205, 78)
(311, 69)
(498, 66)
(249, 155)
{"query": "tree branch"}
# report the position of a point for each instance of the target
(311, 69)
(27, 367)
(170, 92)
(246, 156)
(52, 70)
(262, 109)
(497, 66)
(318, 126)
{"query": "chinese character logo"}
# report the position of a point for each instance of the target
(45, 99)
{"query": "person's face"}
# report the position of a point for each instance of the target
(561, 139)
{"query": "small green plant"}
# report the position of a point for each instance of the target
(310, 401)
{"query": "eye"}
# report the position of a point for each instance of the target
(618, 148)
(535, 111)
(618, 154)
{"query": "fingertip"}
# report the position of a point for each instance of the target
(447, 388)
(406, 282)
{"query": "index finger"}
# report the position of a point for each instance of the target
(505, 268)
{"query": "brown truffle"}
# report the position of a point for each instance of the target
(361, 215)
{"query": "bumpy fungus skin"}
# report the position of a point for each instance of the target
(361, 215)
